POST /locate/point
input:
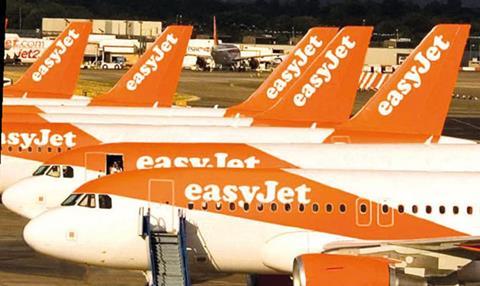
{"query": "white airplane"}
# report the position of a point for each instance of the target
(59, 176)
(322, 227)
(29, 144)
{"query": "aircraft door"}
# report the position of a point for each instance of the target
(385, 215)
(363, 211)
(161, 199)
(94, 165)
(98, 164)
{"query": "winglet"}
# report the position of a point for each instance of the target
(415, 100)
(326, 92)
(55, 73)
(154, 77)
(287, 73)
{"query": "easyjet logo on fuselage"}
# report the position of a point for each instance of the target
(45, 137)
(324, 73)
(55, 57)
(219, 160)
(294, 70)
(270, 191)
(151, 65)
(413, 77)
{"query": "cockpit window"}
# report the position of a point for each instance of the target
(71, 200)
(105, 202)
(67, 171)
(41, 170)
(88, 201)
(54, 171)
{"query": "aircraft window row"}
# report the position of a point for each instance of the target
(88, 201)
(19, 149)
(328, 208)
(56, 171)
(441, 209)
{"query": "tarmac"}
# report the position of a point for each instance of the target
(19, 265)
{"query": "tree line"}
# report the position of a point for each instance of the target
(405, 17)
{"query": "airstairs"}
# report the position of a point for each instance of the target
(168, 256)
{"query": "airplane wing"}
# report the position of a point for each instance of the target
(424, 258)
(466, 247)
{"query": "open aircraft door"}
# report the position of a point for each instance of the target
(161, 200)
(98, 164)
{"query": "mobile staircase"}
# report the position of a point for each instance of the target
(168, 255)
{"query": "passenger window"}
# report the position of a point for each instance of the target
(105, 202)
(385, 209)
(315, 208)
(441, 209)
(401, 209)
(343, 208)
(428, 209)
(287, 207)
(246, 206)
(414, 209)
(273, 207)
(88, 201)
(71, 200)
(260, 207)
(41, 170)
(329, 208)
(469, 210)
(54, 171)
(456, 210)
(301, 208)
(363, 208)
(67, 171)
(218, 206)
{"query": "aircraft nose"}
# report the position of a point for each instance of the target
(40, 236)
(11, 200)
(34, 234)
(18, 199)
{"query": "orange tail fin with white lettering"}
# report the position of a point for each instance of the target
(415, 100)
(56, 71)
(287, 73)
(326, 92)
(153, 80)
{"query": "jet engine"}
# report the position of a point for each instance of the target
(342, 270)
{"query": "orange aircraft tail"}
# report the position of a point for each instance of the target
(287, 73)
(415, 100)
(326, 92)
(56, 71)
(153, 80)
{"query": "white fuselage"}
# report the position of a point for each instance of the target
(80, 106)
(109, 237)
(23, 196)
